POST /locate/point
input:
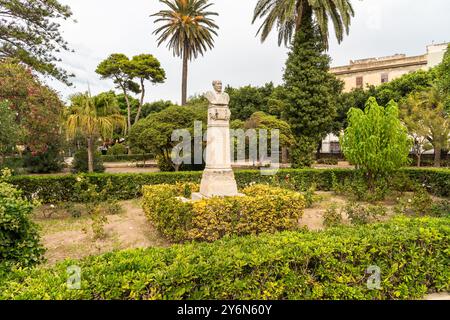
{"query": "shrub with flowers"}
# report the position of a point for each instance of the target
(263, 209)
(19, 238)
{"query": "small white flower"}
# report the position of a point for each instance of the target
(52, 206)
(409, 200)
(78, 179)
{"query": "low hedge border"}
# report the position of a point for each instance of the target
(412, 254)
(127, 157)
(51, 189)
(263, 209)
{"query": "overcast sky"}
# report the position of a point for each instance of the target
(380, 28)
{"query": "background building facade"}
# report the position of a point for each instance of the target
(376, 71)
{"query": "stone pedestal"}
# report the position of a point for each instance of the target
(218, 177)
(218, 183)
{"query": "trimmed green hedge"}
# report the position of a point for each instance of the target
(264, 209)
(127, 157)
(51, 189)
(412, 254)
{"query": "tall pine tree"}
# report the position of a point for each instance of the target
(310, 91)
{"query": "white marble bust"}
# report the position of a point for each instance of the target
(217, 97)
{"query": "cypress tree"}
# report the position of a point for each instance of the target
(310, 91)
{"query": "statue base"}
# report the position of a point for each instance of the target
(217, 183)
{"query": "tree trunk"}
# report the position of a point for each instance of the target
(141, 102)
(90, 155)
(437, 157)
(128, 110)
(284, 155)
(184, 78)
(419, 158)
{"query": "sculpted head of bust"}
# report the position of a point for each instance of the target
(217, 97)
(217, 85)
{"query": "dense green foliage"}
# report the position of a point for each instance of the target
(51, 189)
(80, 161)
(117, 150)
(38, 107)
(425, 115)
(412, 255)
(154, 133)
(93, 117)
(247, 100)
(19, 238)
(397, 89)
(443, 78)
(264, 209)
(376, 141)
(49, 161)
(9, 131)
(30, 33)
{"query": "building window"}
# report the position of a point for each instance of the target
(359, 82)
(335, 147)
(384, 78)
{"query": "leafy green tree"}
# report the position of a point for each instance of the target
(261, 120)
(130, 76)
(145, 67)
(189, 30)
(443, 78)
(153, 134)
(247, 100)
(309, 92)
(30, 33)
(398, 89)
(289, 16)
(425, 115)
(38, 108)
(93, 117)
(9, 130)
(376, 141)
(47, 161)
(117, 68)
(20, 244)
(155, 107)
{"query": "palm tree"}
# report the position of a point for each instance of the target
(425, 115)
(189, 30)
(288, 16)
(93, 117)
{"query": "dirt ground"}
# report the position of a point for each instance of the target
(67, 237)
(313, 217)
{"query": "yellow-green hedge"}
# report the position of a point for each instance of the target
(262, 209)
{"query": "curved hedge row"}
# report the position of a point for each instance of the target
(52, 189)
(412, 254)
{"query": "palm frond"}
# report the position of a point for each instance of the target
(286, 17)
